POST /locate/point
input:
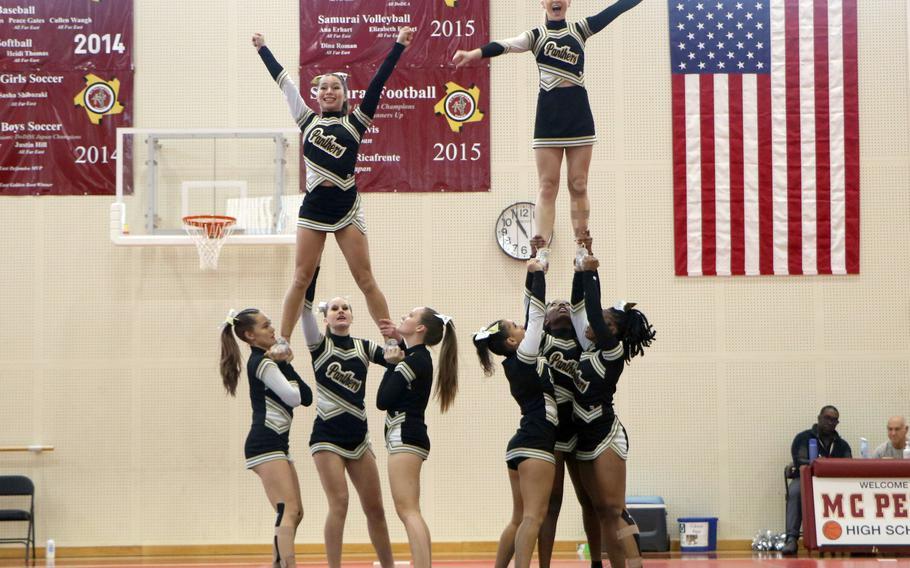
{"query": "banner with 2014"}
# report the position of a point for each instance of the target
(66, 85)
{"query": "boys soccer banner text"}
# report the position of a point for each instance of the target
(66, 84)
(431, 130)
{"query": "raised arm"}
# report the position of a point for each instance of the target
(579, 317)
(593, 24)
(299, 110)
(530, 345)
(374, 91)
(528, 294)
(517, 44)
(311, 332)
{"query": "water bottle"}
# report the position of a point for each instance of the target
(50, 549)
(583, 551)
(864, 448)
(813, 449)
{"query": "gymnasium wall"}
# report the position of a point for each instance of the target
(110, 353)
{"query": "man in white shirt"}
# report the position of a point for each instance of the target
(897, 440)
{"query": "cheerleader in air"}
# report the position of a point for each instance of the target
(609, 338)
(404, 394)
(340, 441)
(564, 125)
(275, 389)
(331, 141)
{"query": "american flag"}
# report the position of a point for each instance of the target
(765, 137)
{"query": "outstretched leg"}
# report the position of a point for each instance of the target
(365, 477)
(331, 474)
(605, 482)
(578, 162)
(535, 478)
(549, 161)
(404, 480)
(356, 250)
(279, 480)
(506, 548)
(309, 250)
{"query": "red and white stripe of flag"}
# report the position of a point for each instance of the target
(766, 167)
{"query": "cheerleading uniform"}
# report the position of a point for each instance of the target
(600, 365)
(275, 389)
(404, 394)
(331, 142)
(531, 387)
(340, 365)
(564, 117)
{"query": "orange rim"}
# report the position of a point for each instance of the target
(213, 225)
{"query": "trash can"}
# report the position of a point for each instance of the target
(697, 534)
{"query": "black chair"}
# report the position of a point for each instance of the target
(19, 485)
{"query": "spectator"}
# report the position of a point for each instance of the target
(897, 440)
(830, 445)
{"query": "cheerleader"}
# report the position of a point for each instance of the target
(610, 339)
(564, 123)
(340, 442)
(275, 389)
(529, 454)
(331, 141)
(404, 394)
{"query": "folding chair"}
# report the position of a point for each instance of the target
(19, 485)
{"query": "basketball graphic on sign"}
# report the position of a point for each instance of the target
(832, 530)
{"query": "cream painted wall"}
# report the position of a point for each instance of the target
(110, 353)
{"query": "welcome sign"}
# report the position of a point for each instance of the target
(856, 511)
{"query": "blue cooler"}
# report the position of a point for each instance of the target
(697, 534)
(650, 514)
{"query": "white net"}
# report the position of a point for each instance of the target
(208, 234)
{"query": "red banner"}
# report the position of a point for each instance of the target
(431, 130)
(66, 84)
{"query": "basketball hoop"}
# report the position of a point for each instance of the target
(208, 233)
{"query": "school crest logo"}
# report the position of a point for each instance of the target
(99, 97)
(459, 106)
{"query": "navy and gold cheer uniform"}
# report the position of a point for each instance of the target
(600, 366)
(404, 394)
(531, 387)
(340, 364)
(272, 414)
(561, 352)
(331, 142)
(564, 116)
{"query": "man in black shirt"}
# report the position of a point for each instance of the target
(830, 445)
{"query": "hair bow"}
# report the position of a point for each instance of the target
(486, 332)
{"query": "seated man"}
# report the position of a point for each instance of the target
(897, 440)
(830, 445)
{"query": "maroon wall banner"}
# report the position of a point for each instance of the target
(431, 130)
(66, 85)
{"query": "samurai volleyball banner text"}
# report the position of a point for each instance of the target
(431, 131)
(66, 84)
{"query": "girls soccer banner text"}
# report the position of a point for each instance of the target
(431, 131)
(66, 84)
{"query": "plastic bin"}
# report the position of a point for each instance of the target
(697, 534)
(650, 514)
